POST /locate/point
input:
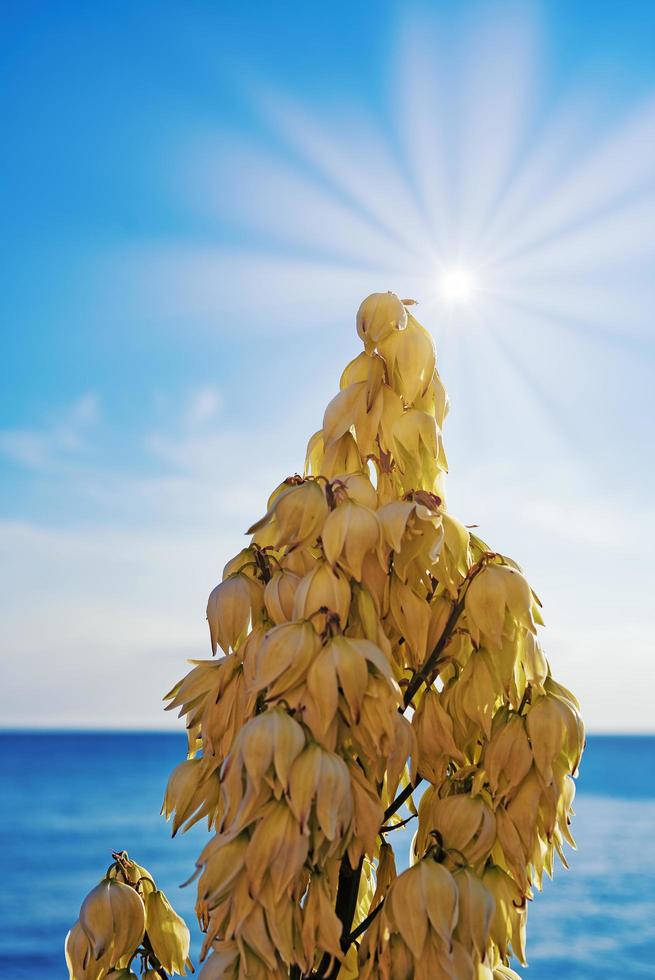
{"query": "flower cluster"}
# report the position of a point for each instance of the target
(127, 924)
(370, 643)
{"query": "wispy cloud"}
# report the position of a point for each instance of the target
(106, 611)
(204, 405)
(59, 439)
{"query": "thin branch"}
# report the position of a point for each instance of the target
(400, 799)
(526, 699)
(423, 675)
(346, 904)
(365, 923)
(345, 909)
(396, 826)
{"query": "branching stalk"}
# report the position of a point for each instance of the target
(349, 879)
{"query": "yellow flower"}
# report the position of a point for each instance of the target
(167, 932)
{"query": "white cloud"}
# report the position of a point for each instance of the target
(99, 621)
(589, 523)
(26, 447)
(204, 405)
(61, 437)
(98, 618)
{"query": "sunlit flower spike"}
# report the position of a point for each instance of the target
(371, 644)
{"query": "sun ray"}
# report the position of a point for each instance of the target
(553, 146)
(503, 219)
(495, 96)
(622, 165)
(347, 159)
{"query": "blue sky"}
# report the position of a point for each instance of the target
(195, 198)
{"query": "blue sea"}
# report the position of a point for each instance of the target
(68, 800)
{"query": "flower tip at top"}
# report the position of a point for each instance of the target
(378, 316)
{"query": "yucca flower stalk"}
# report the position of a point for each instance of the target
(372, 646)
(371, 643)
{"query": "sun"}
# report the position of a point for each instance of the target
(457, 285)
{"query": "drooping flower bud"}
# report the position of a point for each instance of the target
(297, 513)
(476, 911)
(508, 923)
(81, 963)
(416, 926)
(284, 657)
(494, 592)
(410, 359)
(228, 612)
(191, 793)
(434, 734)
(167, 932)
(379, 315)
(113, 918)
(323, 589)
(279, 595)
(465, 824)
(349, 534)
(507, 756)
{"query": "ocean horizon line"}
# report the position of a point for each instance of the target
(103, 730)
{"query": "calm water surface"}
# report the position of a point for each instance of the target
(68, 800)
